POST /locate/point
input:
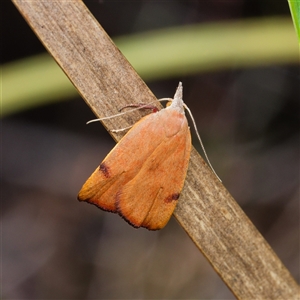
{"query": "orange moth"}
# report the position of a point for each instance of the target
(143, 175)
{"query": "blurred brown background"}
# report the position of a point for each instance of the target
(54, 247)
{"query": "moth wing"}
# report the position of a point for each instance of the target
(123, 163)
(149, 199)
(101, 187)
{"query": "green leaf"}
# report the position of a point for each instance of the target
(295, 12)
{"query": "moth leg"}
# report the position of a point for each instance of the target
(141, 106)
(121, 129)
(137, 105)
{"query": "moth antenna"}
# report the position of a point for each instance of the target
(119, 114)
(197, 133)
(199, 138)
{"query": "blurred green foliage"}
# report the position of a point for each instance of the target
(164, 53)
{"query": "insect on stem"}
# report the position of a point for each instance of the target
(141, 106)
